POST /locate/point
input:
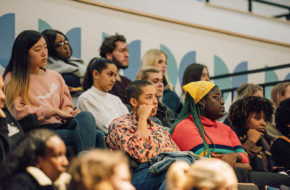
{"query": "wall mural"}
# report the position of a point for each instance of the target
(175, 70)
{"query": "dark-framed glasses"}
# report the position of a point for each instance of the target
(61, 44)
(218, 98)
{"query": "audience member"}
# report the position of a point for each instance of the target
(115, 48)
(10, 130)
(280, 148)
(244, 90)
(204, 174)
(100, 78)
(32, 89)
(198, 130)
(100, 170)
(249, 117)
(249, 89)
(158, 58)
(140, 137)
(153, 74)
(60, 59)
(35, 163)
(279, 93)
(195, 72)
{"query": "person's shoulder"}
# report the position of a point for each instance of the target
(53, 73)
(122, 119)
(125, 79)
(227, 127)
(186, 122)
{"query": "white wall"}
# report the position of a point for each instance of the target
(195, 11)
(221, 53)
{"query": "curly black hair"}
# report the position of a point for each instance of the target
(282, 118)
(241, 109)
(109, 44)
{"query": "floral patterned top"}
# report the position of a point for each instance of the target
(123, 135)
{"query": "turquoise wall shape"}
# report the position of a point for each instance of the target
(42, 25)
(238, 80)
(270, 76)
(74, 36)
(7, 35)
(134, 59)
(187, 59)
(172, 70)
(219, 69)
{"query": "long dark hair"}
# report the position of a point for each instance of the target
(25, 153)
(19, 66)
(192, 73)
(50, 36)
(98, 64)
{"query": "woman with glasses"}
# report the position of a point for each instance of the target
(61, 61)
(197, 130)
(31, 89)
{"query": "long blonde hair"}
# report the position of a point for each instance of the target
(151, 58)
(18, 67)
(278, 91)
(93, 170)
(203, 174)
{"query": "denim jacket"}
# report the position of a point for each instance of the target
(161, 162)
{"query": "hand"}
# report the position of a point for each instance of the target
(76, 112)
(58, 113)
(144, 111)
(64, 115)
(230, 158)
(254, 135)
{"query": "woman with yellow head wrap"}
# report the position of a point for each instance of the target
(197, 130)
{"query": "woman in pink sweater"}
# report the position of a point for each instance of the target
(31, 89)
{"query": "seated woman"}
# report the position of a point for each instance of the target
(153, 75)
(280, 148)
(35, 163)
(158, 58)
(204, 174)
(248, 117)
(193, 73)
(60, 60)
(31, 89)
(100, 78)
(100, 170)
(198, 130)
(280, 92)
(245, 90)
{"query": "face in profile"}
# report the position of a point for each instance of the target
(214, 104)
(62, 47)
(38, 54)
(105, 80)
(120, 55)
(54, 162)
(157, 80)
(204, 75)
(148, 97)
(162, 63)
(121, 179)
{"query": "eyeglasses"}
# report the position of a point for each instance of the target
(217, 97)
(61, 44)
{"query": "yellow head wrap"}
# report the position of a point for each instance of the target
(198, 90)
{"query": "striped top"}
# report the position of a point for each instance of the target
(224, 139)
